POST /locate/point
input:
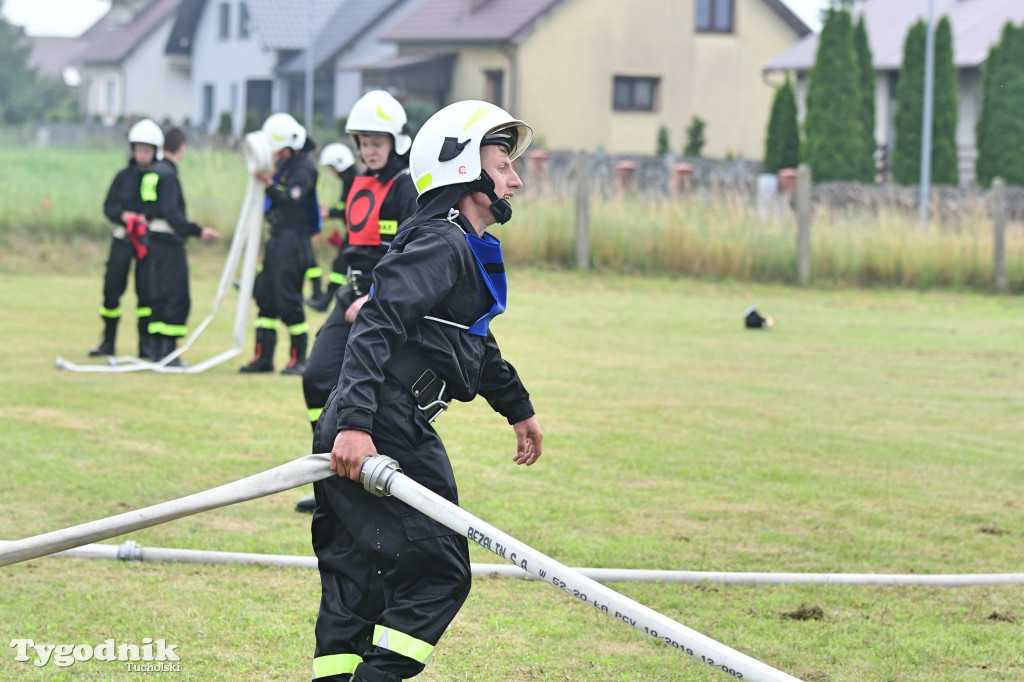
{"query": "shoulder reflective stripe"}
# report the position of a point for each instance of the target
(314, 413)
(314, 272)
(448, 322)
(143, 312)
(339, 278)
(401, 643)
(388, 226)
(300, 328)
(174, 330)
(266, 323)
(111, 313)
(335, 664)
(147, 188)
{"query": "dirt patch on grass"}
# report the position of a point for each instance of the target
(805, 612)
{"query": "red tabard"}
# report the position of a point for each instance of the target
(362, 209)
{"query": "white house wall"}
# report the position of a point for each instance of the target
(154, 87)
(227, 63)
(103, 92)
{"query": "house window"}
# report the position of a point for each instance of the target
(635, 94)
(494, 87)
(111, 95)
(244, 23)
(714, 16)
(224, 25)
(208, 104)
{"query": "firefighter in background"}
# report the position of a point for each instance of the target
(381, 198)
(169, 228)
(123, 206)
(392, 579)
(293, 214)
(342, 163)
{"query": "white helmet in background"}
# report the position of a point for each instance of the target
(282, 130)
(446, 150)
(337, 156)
(147, 131)
(379, 112)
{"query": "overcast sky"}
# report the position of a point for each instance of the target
(72, 17)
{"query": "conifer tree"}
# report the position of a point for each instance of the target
(866, 69)
(906, 153)
(945, 159)
(782, 144)
(833, 131)
(1000, 129)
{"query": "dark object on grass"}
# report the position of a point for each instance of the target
(755, 320)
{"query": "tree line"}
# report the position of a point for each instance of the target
(837, 139)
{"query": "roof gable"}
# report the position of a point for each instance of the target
(464, 21)
(977, 25)
(110, 41)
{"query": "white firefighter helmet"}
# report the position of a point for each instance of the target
(379, 112)
(337, 156)
(282, 130)
(147, 131)
(446, 150)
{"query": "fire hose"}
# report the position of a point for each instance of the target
(382, 476)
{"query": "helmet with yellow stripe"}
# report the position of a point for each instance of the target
(379, 112)
(446, 150)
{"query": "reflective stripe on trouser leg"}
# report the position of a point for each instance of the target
(401, 643)
(314, 413)
(266, 323)
(110, 313)
(338, 278)
(314, 273)
(300, 328)
(335, 664)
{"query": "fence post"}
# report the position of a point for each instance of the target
(582, 240)
(999, 235)
(803, 217)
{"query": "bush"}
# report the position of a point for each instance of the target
(226, 126)
(1000, 130)
(694, 137)
(662, 143)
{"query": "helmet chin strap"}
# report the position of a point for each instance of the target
(501, 209)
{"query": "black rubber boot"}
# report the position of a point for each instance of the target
(263, 360)
(306, 504)
(297, 361)
(318, 287)
(165, 345)
(147, 346)
(322, 302)
(106, 346)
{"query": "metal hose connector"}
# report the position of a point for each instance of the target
(377, 474)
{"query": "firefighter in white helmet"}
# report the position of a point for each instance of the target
(293, 214)
(376, 202)
(123, 207)
(393, 579)
(342, 163)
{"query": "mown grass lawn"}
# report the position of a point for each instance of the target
(868, 431)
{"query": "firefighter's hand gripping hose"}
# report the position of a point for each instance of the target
(381, 476)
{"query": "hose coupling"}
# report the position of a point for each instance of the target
(377, 473)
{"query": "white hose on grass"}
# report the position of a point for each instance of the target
(381, 476)
(244, 250)
(130, 550)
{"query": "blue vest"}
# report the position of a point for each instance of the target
(487, 251)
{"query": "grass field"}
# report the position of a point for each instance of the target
(868, 431)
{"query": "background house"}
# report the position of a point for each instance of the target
(977, 26)
(124, 70)
(349, 38)
(599, 73)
